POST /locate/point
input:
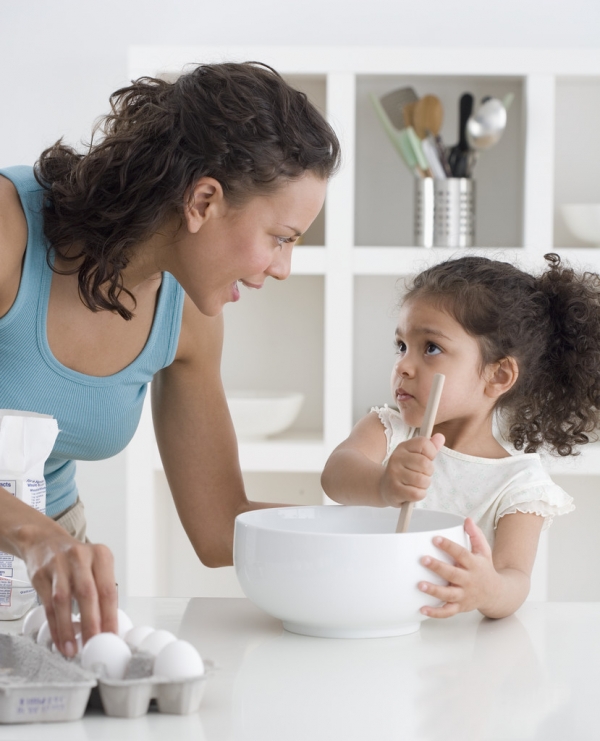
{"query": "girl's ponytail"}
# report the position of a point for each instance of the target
(568, 384)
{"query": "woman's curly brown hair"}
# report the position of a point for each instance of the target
(550, 324)
(241, 124)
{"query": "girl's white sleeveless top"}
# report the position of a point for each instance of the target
(484, 489)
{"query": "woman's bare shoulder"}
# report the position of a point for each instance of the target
(13, 241)
(13, 228)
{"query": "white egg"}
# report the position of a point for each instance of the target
(34, 620)
(43, 637)
(136, 635)
(125, 624)
(106, 654)
(156, 641)
(178, 660)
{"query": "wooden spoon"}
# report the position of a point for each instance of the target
(427, 116)
(426, 429)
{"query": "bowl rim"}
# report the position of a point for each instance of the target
(459, 523)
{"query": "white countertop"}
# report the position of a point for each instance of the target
(534, 675)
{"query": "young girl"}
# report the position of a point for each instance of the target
(524, 348)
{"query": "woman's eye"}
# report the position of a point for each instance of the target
(432, 349)
(285, 240)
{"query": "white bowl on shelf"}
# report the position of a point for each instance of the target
(583, 221)
(258, 414)
(340, 571)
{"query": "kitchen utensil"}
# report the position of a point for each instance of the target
(399, 138)
(486, 126)
(430, 151)
(408, 113)
(340, 572)
(393, 104)
(433, 402)
(428, 116)
(415, 144)
(458, 157)
(444, 212)
(441, 153)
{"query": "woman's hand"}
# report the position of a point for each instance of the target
(408, 472)
(62, 568)
(473, 579)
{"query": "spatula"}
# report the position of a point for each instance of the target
(400, 138)
(393, 104)
(426, 429)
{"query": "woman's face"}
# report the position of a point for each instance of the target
(223, 246)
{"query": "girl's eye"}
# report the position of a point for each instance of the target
(400, 346)
(432, 349)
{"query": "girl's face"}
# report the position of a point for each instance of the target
(246, 245)
(430, 341)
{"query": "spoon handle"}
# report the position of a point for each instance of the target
(426, 429)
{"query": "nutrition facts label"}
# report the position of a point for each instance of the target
(37, 492)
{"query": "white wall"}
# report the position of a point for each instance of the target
(60, 60)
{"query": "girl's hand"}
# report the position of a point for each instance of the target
(408, 472)
(61, 569)
(472, 579)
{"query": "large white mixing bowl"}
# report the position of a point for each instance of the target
(340, 571)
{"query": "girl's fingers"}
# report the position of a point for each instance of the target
(446, 611)
(461, 555)
(413, 479)
(443, 593)
(479, 542)
(447, 571)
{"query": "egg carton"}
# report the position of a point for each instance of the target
(131, 696)
(38, 685)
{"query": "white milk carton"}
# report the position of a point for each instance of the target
(26, 441)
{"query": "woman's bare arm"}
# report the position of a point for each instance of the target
(197, 441)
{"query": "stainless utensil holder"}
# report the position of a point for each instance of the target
(444, 212)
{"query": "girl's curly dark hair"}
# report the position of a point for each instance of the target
(550, 324)
(241, 124)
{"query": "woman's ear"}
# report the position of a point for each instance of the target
(205, 200)
(501, 377)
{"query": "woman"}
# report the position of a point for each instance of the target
(116, 265)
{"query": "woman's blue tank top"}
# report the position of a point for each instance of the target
(97, 416)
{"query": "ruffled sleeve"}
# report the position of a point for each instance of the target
(545, 499)
(396, 431)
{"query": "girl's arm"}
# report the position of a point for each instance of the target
(197, 441)
(353, 473)
(494, 582)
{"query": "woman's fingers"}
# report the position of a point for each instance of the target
(64, 569)
(104, 577)
(85, 591)
(64, 635)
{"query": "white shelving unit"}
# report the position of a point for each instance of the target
(343, 285)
